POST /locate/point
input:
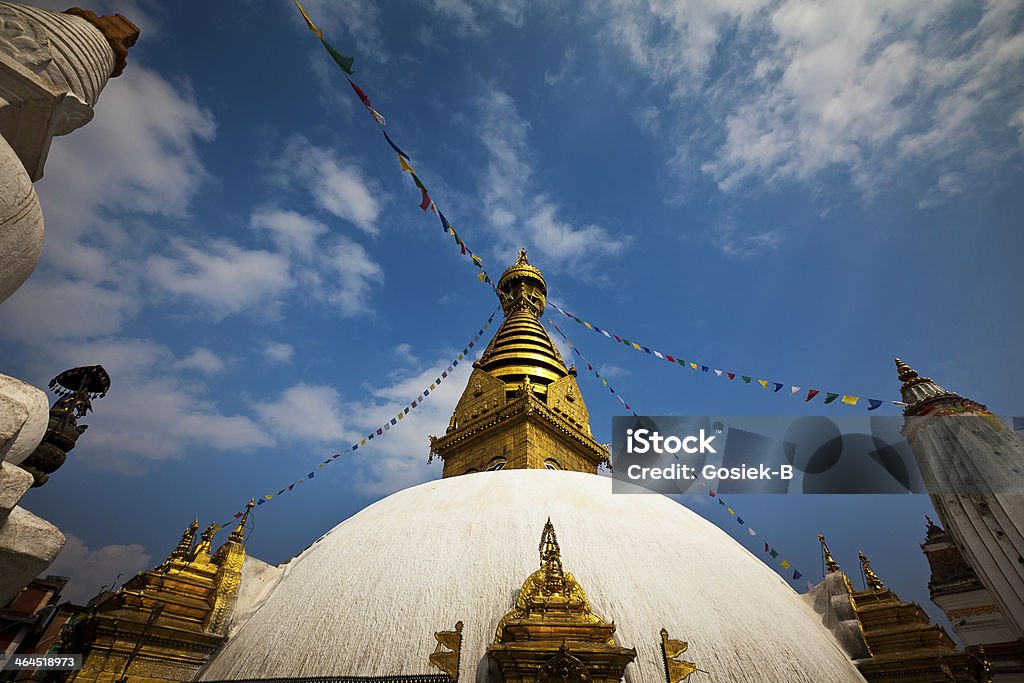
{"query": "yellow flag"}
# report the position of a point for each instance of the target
(763, 383)
(476, 259)
(363, 442)
(404, 164)
(693, 365)
(309, 23)
(604, 382)
(480, 276)
(637, 346)
(852, 400)
(784, 564)
(731, 512)
(588, 325)
(268, 496)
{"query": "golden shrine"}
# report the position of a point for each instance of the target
(552, 634)
(163, 624)
(900, 642)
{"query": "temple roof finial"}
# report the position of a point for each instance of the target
(904, 371)
(830, 564)
(870, 578)
(238, 535)
(188, 539)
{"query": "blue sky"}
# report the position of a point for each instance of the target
(777, 188)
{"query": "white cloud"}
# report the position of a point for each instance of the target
(223, 276)
(307, 412)
(89, 570)
(279, 352)
(648, 119)
(556, 77)
(203, 360)
(353, 272)
(337, 185)
(794, 88)
(292, 232)
(461, 13)
(519, 217)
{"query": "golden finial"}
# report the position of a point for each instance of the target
(206, 542)
(188, 539)
(551, 560)
(870, 578)
(238, 535)
(830, 564)
(522, 256)
(905, 372)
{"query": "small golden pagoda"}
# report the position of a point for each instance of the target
(897, 641)
(522, 408)
(163, 624)
(552, 634)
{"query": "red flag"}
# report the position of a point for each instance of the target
(732, 375)
(425, 204)
(811, 393)
(669, 358)
(766, 546)
(711, 493)
(359, 91)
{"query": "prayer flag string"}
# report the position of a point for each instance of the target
(769, 550)
(386, 427)
(769, 386)
(426, 202)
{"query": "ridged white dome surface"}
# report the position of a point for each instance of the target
(367, 597)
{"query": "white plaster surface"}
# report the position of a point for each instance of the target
(21, 222)
(14, 482)
(28, 545)
(367, 597)
(24, 414)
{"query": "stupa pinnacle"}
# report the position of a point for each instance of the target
(522, 408)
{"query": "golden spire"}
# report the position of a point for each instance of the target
(830, 564)
(870, 578)
(238, 535)
(917, 389)
(206, 542)
(188, 539)
(551, 560)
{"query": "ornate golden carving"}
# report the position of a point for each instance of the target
(550, 589)
(448, 662)
(552, 634)
(675, 669)
(870, 578)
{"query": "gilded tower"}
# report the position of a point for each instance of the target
(972, 466)
(165, 623)
(522, 408)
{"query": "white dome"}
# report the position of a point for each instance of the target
(366, 599)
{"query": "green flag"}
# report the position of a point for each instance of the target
(831, 397)
(343, 61)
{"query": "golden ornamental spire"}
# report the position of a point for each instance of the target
(206, 540)
(830, 564)
(870, 578)
(188, 539)
(238, 535)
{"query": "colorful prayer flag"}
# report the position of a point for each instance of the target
(405, 165)
(426, 197)
(851, 400)
(778, 385)
(751, 531)
(739, 520)
(343, 61)
(811, 393)
(309, 22)
(831, 397)
(731, 375)
(774, 553)
(394, 146)
(796, 575)
(873, 403)
(745, 378)
(784, 564)
(793, 391)
(763, 383)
